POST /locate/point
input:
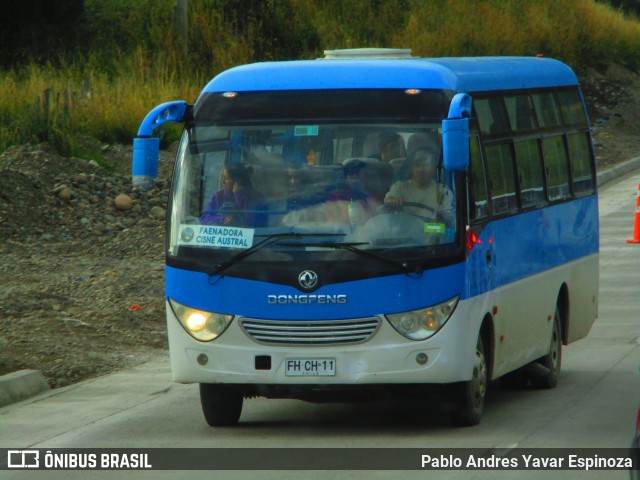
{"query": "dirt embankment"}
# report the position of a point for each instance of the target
(81, 281)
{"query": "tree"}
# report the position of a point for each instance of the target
(39, 29)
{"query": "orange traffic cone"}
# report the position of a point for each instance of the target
(636, 225)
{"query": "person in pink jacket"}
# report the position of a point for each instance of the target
(237, 203)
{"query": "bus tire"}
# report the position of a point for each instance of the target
(470, 395)
(547, 377)
(221, 404)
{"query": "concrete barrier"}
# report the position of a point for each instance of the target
(20, 385)
(618, 171)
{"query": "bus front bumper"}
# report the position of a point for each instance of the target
(386, 358)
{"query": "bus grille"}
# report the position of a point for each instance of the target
(322, 332)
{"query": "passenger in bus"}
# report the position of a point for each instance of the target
(349, 201)
(391, 146)
(304, 202)
(350, 186)
(426, 197)
(343, 201)
(237, 203)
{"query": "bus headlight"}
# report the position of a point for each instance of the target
(423, 323)
(201, 325)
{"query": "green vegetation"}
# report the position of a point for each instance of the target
(125, 57)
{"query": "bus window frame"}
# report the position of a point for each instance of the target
(471, 207)
(567, 164)
(539, 134)
(591, 164)
(543, 175)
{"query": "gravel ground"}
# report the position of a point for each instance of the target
(81, 280)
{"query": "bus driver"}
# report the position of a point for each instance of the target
(421, 195)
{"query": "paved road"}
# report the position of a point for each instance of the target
(594, 405)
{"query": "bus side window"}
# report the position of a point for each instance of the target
(581, 165)
(521, 113)
(547, 110)
(502, 178)
(557, 168)
(480, 204)
(492, 117)
(572, 108)
(530, 173)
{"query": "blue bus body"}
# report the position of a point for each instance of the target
(511, 274)
(456, 74)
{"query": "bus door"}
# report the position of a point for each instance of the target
(479, 243)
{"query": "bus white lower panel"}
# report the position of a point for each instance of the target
(522, 312)
(386, 358)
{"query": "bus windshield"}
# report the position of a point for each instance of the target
(322, 189)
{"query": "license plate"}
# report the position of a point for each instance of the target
(313, 367)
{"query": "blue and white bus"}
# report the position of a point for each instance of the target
(301, 280)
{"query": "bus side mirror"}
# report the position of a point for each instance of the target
(455, 133)
(145, 162)
(147, 148)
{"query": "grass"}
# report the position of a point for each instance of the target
(136, 60)
(43, 103)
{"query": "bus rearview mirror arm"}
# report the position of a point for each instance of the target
(455, 133)
(147, 148)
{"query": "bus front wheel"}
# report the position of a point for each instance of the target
(470, 395)
(221, 404)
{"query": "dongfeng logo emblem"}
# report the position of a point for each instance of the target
(308, 279)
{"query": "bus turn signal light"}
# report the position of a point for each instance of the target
(472, 238)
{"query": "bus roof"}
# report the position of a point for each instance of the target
(464, 74)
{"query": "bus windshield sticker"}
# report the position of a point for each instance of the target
(215, 236)
(306, 130)
(434, 228)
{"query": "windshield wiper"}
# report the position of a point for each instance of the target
(264, 243)
(409, 269)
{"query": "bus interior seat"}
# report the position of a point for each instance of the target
(371, 147)
(272, 182)
(418, 141)
(376, 176)
(317, 183)
(396, 164)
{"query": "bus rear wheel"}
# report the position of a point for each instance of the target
(547, 377)
(221, 404)
(470, 395)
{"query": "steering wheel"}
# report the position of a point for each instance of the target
(399, 208)
(420, 205)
